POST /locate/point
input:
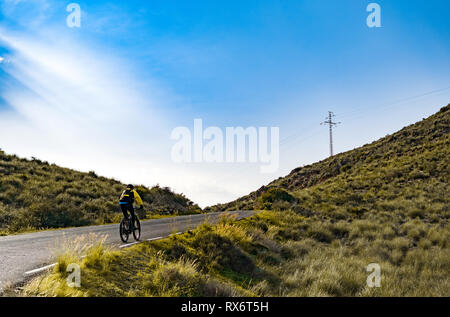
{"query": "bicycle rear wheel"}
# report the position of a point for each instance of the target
(137, 229)
(124, 234)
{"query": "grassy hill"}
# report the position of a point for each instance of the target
(406, 173)
(36, 195)
(323, 224)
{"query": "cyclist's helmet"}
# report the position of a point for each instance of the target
(130, 186)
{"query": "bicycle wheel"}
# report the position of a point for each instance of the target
(123, 231)
(137, 229)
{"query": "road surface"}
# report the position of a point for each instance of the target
(23, 255)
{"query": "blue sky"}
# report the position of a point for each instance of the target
(106, 96)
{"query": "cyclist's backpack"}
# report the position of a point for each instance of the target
(127, 196)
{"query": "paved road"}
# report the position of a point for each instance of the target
(26, 252)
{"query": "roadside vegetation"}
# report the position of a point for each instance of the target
(275, 253)
(37, 195)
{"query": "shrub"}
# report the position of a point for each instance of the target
(277, 194)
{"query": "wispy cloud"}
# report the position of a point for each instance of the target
(88, 110)
(68, 99)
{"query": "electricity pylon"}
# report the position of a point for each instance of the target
(329, 121)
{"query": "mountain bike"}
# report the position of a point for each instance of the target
(127, 227)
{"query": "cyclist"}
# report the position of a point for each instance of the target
(129, 195)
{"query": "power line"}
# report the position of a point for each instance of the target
(329, 121)
(389, 105)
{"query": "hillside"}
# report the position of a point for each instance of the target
(36, 195)
(385, 203)
(406, 172)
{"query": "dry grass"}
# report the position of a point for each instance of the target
(270, 254)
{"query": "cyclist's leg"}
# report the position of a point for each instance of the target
(124, 208)
(133, 215)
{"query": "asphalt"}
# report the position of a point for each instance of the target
(23, 255)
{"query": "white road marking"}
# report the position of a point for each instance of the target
(127, 245)
(157, 238)
(44, 268)
(40, 269)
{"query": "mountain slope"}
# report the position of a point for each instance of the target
(407, 171)
(35, 194)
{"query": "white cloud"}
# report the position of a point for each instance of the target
(71, 103)
(88, 110)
